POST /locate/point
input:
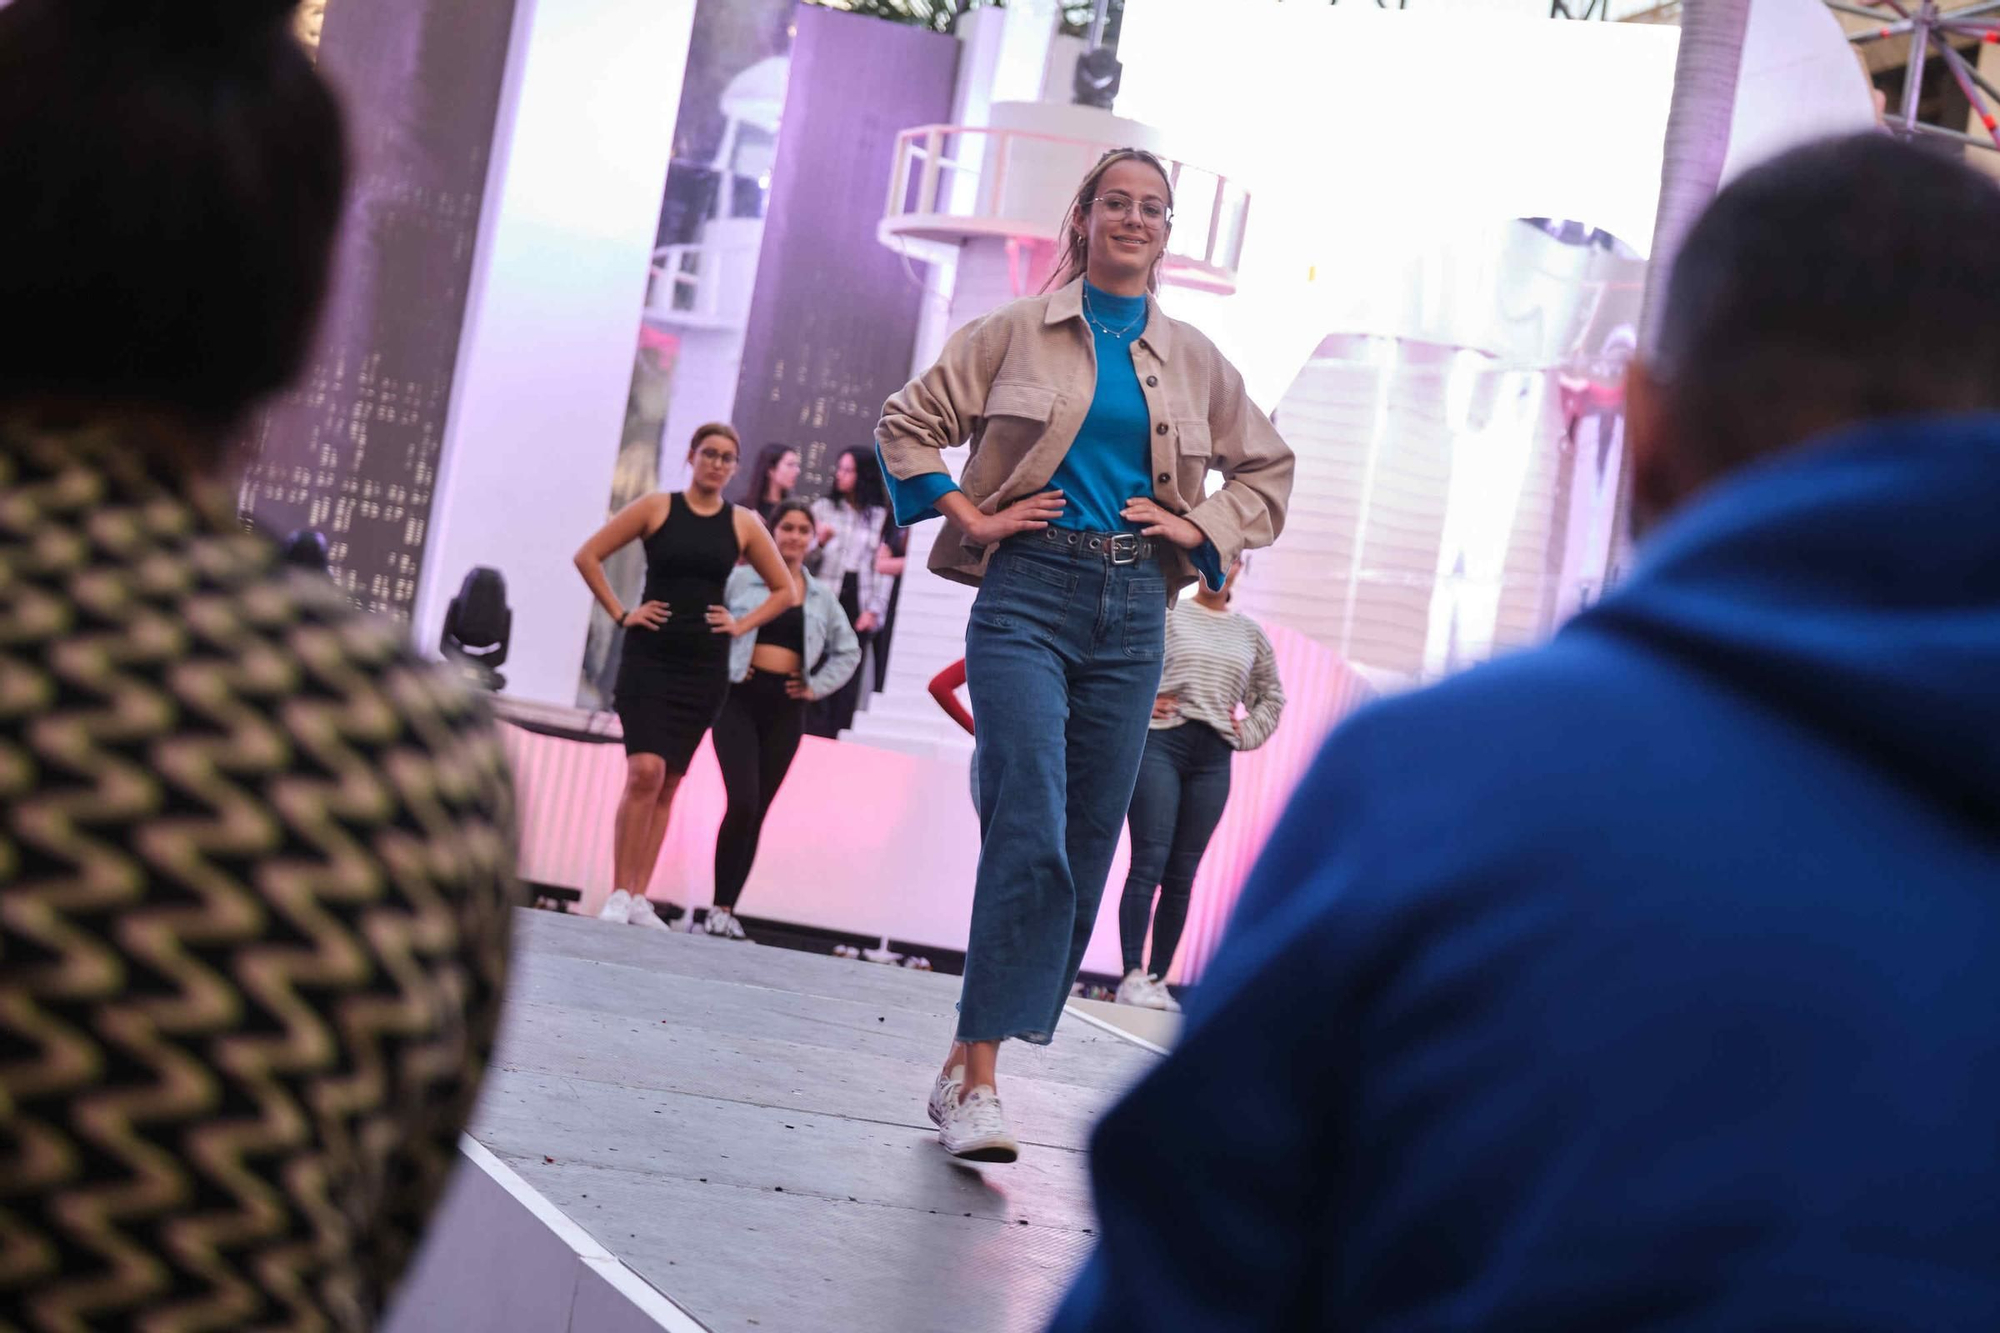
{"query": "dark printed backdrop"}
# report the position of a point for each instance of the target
(353, 451)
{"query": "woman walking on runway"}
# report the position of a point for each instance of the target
(674, 670)
(1094, 420)
(763, 718)
(1217, 661)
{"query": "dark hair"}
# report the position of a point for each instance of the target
(793, 507)
(721, 428)
(768, 459)
(868, 490)
(1075, 258)
(1847, 280)
(172, 177)
(306, 548)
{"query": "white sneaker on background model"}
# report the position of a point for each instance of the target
(617, 908)
(1141, 991)
(642, 914)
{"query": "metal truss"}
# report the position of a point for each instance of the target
(1930, 30)
(1617, 11)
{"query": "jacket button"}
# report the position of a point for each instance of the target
(1161, 429)
(1165, 478)
(1152, 381)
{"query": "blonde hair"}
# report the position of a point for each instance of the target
(1076, 238)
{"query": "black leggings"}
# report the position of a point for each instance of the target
(1177, 802)
(835, 713)
(755, 740)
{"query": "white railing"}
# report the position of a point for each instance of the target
(678, 289)
(970, 180)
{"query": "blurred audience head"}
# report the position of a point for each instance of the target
(1844, 281)
(172, 177)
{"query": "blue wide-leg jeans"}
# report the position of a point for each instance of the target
(1062, 659)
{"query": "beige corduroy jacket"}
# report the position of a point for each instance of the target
(1018, 383)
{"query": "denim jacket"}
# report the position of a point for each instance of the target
(826, 624)
(1018, 383)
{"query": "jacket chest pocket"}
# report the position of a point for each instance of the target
(1017, 398)
(1194, 455)
(1017, 415)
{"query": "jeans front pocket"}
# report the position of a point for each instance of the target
(1146, 619)
(1026, 592)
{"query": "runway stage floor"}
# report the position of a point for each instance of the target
(744, 1128)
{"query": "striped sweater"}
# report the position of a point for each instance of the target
(1217, 660)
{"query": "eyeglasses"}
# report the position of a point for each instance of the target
(717, 457)
(1117, 207)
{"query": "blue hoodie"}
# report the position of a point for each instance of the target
(1648, 980)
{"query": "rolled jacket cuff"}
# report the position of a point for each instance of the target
(1208, 563)
(914, 500)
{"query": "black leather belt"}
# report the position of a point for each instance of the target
(1120, 548)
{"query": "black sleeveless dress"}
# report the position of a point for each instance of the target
(672, 680)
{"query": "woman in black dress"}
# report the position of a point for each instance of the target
(674, 672)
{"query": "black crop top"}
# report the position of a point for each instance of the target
(786, 630)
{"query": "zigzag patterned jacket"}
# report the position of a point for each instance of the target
(256, 872)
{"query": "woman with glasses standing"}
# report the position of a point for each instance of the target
(1094, 420)
(674, 671)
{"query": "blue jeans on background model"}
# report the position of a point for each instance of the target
(1182, 789)
(1062, 658)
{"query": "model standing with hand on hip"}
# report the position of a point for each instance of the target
(806, 653)
(1094, 420)
(1217, 662)
(674, 672)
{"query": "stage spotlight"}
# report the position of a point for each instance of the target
(307, 549)
(477, 625)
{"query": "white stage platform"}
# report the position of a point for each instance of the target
(685, 1133)
(879, 841)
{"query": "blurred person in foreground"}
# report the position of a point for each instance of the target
(1650, 979)
(256, 858)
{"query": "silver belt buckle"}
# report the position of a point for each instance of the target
(1124, 548)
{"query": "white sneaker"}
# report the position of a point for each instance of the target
(1140, 991)
(975, 1130)
(945, 1093)
(617, 908)
(642, 914)
(1165, 997)
(722, 922)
